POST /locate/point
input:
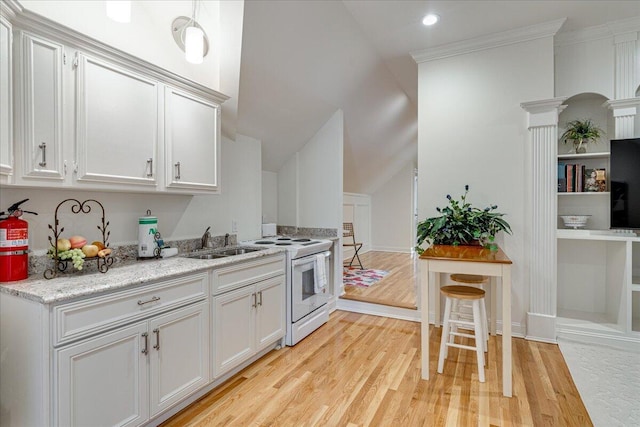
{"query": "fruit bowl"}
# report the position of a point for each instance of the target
(575, 221)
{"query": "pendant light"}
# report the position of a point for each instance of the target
(190, 37)
(119, 10)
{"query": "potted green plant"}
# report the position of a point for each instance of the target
(581, 132)
(462, 224)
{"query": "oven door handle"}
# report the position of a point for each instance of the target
(309, 259)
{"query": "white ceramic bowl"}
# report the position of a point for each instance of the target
(575, 221)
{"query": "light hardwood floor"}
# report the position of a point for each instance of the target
(362, 370)
(397, 289)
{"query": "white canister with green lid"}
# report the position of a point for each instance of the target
(147, 228)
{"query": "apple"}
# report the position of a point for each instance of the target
(63, 245)
(77, 242)
(90, 250)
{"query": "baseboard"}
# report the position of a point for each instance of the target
(378, 310)
(541, 327)
(392, 249)
(621, 342)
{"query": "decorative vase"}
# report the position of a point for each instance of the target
(579, 147)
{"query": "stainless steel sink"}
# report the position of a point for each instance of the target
(238, 251)
(206, 256)
(224, 253)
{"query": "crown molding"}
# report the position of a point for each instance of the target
(599, 32)
(490, 41)
(616, 104)
(10, 8)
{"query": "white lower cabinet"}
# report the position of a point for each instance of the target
(134, 373)
(104, 380)
(246, 321)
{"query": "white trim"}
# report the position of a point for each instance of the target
(392, 249)
(541, 327)
(378, 310)
(490, 41)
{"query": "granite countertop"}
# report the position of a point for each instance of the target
(70, 286)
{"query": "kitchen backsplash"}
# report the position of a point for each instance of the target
(286, 230)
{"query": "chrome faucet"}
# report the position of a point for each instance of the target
(226, 240)
(206, 240)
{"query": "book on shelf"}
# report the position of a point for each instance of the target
(572, 177)
(562, 178)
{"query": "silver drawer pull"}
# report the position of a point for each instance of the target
(43, 147)
(150, 166)
(177, 170)
(157, 332)
(154, 299)
(145, 350)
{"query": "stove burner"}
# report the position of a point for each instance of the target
(264, 242)
(302, 240)
(283, 244)
(284, 238)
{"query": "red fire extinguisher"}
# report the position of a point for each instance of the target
(14, 244)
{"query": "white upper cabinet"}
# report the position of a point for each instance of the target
(89, 116)
(117, 124)
(39, 91)
(192, 141)
(6, 101)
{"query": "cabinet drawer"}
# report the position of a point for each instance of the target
(232, 277)
(88, 317)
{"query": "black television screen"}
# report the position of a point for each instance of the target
(625, 183)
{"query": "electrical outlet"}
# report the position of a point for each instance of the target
(234, 226)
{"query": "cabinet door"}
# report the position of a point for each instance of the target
(6, 100)
(117, 124)
(192, 146)
(234, 320)
(270, 321)
(40, 89)
(179, 355)
(103, 381)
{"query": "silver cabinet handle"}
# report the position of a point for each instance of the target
(255, 300)
(150, 166)
(178, 170)
(43, 147)
(260, 293)
(145, 350)
(157, 332)
(154, 299)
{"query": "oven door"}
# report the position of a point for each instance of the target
(305, 295)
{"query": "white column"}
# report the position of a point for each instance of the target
(624, 115)
(541, 243)
(625, 66)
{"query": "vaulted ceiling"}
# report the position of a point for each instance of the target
(303, 60)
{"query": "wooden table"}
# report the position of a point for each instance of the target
(467, 260)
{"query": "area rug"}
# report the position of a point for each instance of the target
(363, 278)
(607, 380)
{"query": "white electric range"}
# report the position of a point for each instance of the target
(309, 282)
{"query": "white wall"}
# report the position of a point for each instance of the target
(310, 183)
(584, 67)
(288, 193)
(356, 208)
(473, 131)
(392, 213)
(179, 217)
(269, 197)
(148, 36)
(320, 176)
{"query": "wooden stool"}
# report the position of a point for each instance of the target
(476, 281)
(450, 326)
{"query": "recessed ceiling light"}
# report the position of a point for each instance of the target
(430, 19)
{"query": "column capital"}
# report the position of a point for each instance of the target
(544, 112)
